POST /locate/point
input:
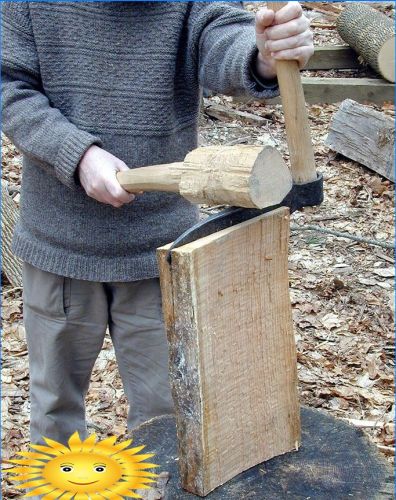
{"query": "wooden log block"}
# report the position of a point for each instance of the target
(333, 57)
(232, 352)
(11, 265)
(364, 135)
(371, 34)
(241, 175)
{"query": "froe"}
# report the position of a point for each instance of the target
(251, 179)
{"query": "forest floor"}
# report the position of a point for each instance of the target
(342, 291)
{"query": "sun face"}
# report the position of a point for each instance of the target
(86, 469)
(83, 472)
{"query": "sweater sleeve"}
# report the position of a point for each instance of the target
(223, 42)
(39, 130)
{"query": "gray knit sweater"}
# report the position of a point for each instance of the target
(125, 76)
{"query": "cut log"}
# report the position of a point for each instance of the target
(244, 176)
(232, 351)
(364, 135)
(371, 34)
(11, 265)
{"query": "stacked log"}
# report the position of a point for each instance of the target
(372, 35)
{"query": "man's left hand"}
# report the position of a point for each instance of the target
(282, 35)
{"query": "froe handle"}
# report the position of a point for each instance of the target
(153, 178)
(296, 118)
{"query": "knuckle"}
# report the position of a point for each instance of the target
(293, 27)
(297, 9)
(269, 33)
(269, 45)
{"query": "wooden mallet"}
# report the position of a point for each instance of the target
(244, 176)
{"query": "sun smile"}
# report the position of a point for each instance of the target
(92, 482)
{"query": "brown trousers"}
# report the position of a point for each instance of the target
(66, 320)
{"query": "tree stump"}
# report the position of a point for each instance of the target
(335, 461)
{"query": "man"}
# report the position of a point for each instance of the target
(90, 89)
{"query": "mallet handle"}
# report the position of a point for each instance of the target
(153, 178)
(296, 118)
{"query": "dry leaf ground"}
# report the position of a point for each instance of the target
(342, 293)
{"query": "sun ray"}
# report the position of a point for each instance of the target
(111, 495)
(25, 477)
(75, 442)
(32, 454)
(140, 458)
(33, 469)
(94, 496)
(25, 461)
(67, 495)
(53, 495)
(41, 490)
(33, 484)
(57, 446)
(81, 496)
(89, 443)
(136, 449)
(45, 449)
(139, 474)
(141, 466)
(108, 442)
(121, 446)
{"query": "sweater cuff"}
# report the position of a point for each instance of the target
(254, 83)
(70, 154)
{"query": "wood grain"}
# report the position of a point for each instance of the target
(232, 352)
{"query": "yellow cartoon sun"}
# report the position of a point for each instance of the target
(86, 470)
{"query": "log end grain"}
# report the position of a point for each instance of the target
(386, 60)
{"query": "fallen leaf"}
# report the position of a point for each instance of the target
(385, 272)
(330, 321)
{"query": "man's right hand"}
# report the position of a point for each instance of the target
(97, 172)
